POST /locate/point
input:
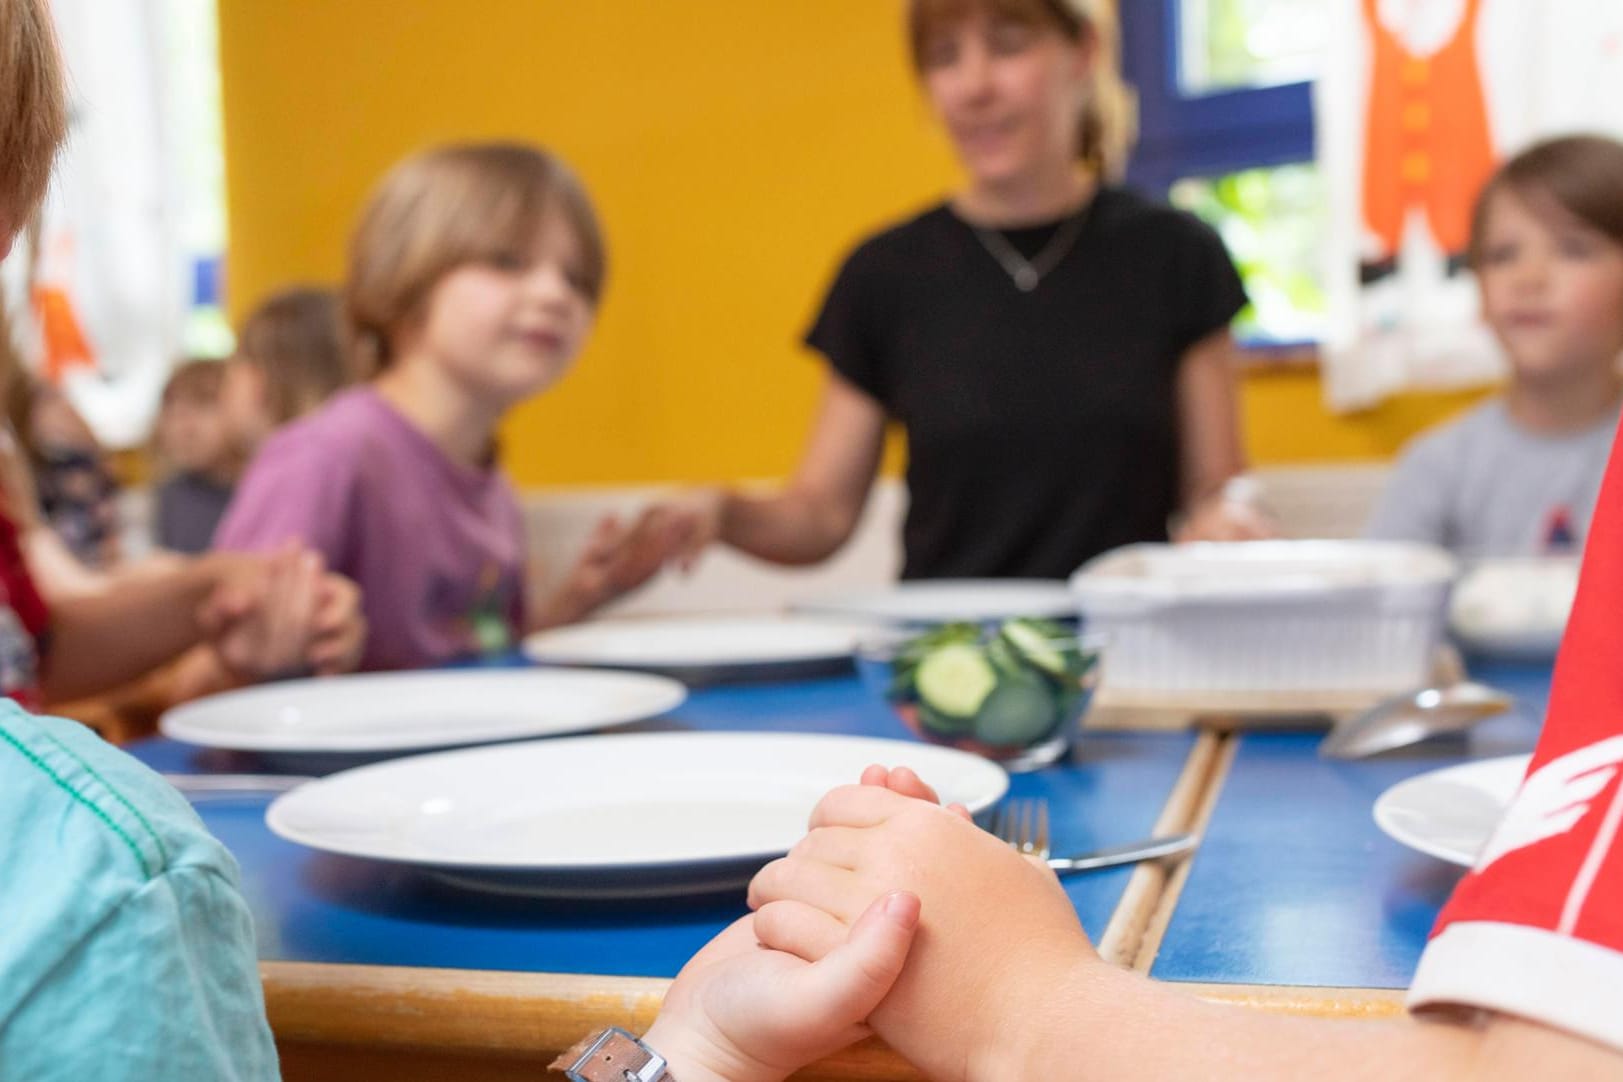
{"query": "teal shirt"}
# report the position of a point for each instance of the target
(126, 949)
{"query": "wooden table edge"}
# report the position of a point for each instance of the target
(537, 1015)
(325, 1012)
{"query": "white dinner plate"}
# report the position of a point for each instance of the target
(615, 815)
(702, 646)
(1451, 813)
(930, 601)
(394, 712)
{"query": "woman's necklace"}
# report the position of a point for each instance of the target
(1027, 273)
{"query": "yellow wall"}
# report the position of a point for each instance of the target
(1286, 422)
(736, 148)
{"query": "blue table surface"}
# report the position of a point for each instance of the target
(1295, 885)
(313, 907)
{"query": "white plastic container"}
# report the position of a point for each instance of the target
(1271, 616)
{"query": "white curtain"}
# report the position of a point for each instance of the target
(103, 298)
(1403, 313)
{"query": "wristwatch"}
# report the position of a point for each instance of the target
(612, 1055)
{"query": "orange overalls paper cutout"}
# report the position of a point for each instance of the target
(65, 343)
(1426, 140)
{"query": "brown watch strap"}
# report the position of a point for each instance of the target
(616, 1055)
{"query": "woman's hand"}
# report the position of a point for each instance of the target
(741, 1013)
(695, 519)
(1220, 518)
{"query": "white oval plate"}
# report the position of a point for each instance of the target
(1451, 813)
(629, 814)
(942, 600)
(693, 643)
(383, 712)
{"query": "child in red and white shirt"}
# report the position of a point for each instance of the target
(1523, 977)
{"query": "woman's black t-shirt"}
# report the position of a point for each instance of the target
(1042, 427)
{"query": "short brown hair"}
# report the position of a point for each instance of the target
(196, 380)
(1110, 118)
(1581, 174)
(33, 105)
(295, 339)
(449, 206)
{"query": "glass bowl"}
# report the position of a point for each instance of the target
(1014, 691)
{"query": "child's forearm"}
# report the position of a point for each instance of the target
(103, 640)
(1108, 1024)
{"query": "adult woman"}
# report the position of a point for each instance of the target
(1055, 348)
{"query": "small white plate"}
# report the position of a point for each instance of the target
(934, 601)
(392, 712)
(682, 645)
(1514, 608)
(616, 815)
(1451, 813)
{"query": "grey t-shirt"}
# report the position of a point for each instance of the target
(1484, 486)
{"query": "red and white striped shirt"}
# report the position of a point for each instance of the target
(1536, 928)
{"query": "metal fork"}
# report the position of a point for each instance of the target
(1023, 824)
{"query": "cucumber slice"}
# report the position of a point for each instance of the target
(1044, 647)
(1018, 712)
(955, 680)
(1006, 659)
(935, 723)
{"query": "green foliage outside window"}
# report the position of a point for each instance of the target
(1272, 221)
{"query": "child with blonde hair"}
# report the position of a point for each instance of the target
(474, 277)
(1518, 476)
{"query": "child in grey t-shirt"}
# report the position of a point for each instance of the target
(1485, 486)
(1519, 475)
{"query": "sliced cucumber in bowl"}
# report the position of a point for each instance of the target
(955, 679)
(1021, 710)
(1002, 690)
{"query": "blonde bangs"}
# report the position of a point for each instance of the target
(448, 207)
(928, 17)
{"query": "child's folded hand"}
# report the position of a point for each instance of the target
(742, 1013)
(282, 615)
(902, 781)
(338, 627)
(998, 929)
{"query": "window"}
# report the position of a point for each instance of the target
(1248, 44)
(1226, 131)
(188, 46)
(1272, 222)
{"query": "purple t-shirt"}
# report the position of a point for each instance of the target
(437, 547)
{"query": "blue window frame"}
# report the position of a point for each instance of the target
(1183, 135)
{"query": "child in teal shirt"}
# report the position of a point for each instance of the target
(126, 950)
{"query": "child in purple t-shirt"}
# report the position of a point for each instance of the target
(473, 279)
